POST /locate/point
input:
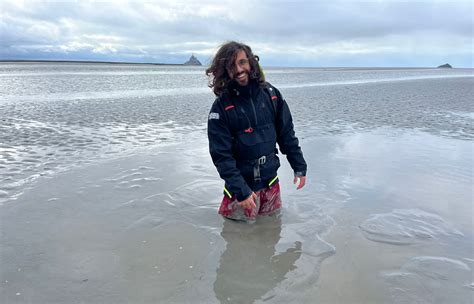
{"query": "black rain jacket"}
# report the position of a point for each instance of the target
(244, 124)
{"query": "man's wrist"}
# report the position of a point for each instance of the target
(300, 173)
(244, 196)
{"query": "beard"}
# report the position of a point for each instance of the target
(242, 78)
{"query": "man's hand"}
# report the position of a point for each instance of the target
(302, 181)
(249, 202)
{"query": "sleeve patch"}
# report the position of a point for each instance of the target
(213, 115)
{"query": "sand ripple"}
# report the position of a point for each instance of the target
(32, 148)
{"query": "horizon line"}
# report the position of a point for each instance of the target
(182, 64)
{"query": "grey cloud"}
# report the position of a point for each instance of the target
(141, 29)
(352, 20)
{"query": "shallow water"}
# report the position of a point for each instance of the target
(145, 227)
(56, 116)
(409, 197)
(111, 197)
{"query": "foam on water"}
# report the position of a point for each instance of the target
(462, 114)
(406, 226)
(428, 279)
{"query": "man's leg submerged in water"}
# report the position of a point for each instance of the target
(268, 202)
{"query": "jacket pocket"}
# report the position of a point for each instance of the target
(269, 169)
(261, 134)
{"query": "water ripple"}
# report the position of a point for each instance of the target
(406, 226)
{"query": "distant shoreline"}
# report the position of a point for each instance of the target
(85, 61)
(182, 64)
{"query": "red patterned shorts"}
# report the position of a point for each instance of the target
(268, 202)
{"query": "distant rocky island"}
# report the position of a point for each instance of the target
(445, 66)
(193, 61)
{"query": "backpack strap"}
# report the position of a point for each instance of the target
(273, 96)
(230, 110)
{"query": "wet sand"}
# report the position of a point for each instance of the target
(108, 193)
(386, 217)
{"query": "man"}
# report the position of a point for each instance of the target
(246, 121)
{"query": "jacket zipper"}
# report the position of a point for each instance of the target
(248, 120)
(254, 111)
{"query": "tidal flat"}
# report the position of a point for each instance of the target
(108, 193)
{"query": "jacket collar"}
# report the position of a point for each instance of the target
(242, 91)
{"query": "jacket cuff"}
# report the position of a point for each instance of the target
(300, 173)
(242, 196)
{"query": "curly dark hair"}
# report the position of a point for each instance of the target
(224, 60)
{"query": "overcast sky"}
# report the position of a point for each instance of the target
(332, 33)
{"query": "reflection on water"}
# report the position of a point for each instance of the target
(250, 265)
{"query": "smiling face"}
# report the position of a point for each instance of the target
(240, 71)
